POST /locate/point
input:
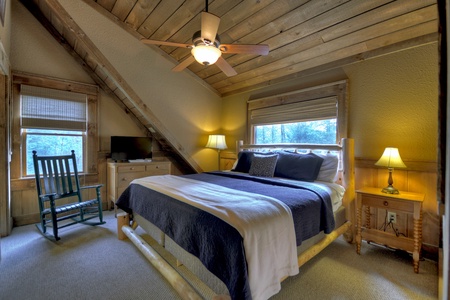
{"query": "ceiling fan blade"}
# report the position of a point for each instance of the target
(225, 67)
(184, 64)
(260, 49)
(163, 43)
(210, 25)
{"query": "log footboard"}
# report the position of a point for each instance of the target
(173, 277)
(182, 287)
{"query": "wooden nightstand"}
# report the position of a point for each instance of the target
(406, 202)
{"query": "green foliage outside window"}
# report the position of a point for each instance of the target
(311, 132)
(53, 142)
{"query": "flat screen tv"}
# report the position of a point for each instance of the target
(126, 148)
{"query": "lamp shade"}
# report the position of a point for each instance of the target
(216, 141)
(206, 55)
(391, 159)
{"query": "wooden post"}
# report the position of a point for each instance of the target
(348, 146)
(123, 219)
(328, 239)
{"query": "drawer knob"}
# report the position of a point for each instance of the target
(124, 179)
(386, 203)
(132, 168)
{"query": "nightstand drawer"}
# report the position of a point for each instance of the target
(384, 202)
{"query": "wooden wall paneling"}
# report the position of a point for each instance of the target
(366, 177)
(15, 159)
(5, 216)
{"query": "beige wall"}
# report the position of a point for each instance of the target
(188, 109)
(184, 106)
(392, 102)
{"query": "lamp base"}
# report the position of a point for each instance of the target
(390, 190)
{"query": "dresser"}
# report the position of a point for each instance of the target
(120, 174)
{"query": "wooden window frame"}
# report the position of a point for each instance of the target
(92, 92)
(336, 89)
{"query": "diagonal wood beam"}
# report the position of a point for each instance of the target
(115, 84)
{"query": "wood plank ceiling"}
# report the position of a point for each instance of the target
(304, 36)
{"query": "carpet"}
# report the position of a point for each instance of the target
(91, 263)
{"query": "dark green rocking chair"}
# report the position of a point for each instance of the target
(57, 179)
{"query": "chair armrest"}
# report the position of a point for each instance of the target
(50, 196)
(91, 186)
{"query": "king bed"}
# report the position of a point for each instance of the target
(243, 231)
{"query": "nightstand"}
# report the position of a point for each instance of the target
(406, 202)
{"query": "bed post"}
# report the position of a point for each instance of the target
(239, 145)
(349, 184)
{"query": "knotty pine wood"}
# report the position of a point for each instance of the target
(5, 219)
(303, 36)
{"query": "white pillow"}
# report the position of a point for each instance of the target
(329, 167)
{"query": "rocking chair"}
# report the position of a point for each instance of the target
(59, 176)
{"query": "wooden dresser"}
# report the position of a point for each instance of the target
(119, 176)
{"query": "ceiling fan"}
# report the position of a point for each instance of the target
(206, 47)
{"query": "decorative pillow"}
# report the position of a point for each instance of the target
(329, 167)
(245, 160)
(263, 165)
(304, 167)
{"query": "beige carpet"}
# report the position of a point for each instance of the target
(91, 263)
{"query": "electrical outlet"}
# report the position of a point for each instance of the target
(392, 217)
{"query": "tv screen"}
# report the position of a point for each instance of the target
(130, 148)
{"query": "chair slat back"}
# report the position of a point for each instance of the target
(58, 174)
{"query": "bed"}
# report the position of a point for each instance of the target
(251, 227)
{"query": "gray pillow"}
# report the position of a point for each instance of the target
(245, 160)
(263, 165)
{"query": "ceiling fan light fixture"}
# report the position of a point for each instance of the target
(206, 55)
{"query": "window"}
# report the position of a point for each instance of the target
(53, 117)
(310, 132)
(51, 142)
(311, 116)
(53, 122)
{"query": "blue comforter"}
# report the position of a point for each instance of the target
(217, 244)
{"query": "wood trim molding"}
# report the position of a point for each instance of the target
(412, 165)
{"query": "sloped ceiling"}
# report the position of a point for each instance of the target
(304, 37)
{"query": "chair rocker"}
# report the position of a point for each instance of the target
(57, 179)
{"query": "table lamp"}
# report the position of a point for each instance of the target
(217, 141)
(390, 159)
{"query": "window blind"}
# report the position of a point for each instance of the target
(47, 108)
(310, 110)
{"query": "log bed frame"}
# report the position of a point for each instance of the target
(346, 179)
